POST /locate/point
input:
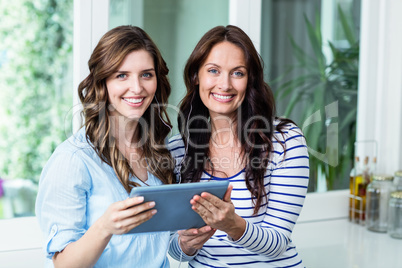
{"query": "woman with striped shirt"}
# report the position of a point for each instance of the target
(229, 132)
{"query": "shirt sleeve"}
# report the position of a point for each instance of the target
(61, 201)
(286, 193)
(175, 249)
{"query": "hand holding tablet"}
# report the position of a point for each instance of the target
(172, 203)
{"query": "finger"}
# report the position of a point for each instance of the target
(198, 241)
(215, 200)
(209, 202)
(137, 220)
(228, 193)
(198, 203)
(129, 202)
(195, 199)
(212, 199)
(204, 213)
(132, 211)
(205, 229)
(188, 232)
(129, 223)
(193, 231)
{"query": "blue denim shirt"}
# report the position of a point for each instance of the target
(75, 189)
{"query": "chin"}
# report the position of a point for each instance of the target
(133, 116)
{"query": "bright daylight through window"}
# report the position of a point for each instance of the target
(35, 95)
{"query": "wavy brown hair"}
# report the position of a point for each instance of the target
(256, 112)
(105, 60)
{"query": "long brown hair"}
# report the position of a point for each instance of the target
(258, 106)
(105, 60)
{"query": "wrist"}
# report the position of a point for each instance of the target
(189, 251)
(101, 230)
(237, 230)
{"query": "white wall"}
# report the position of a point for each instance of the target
(380, 81)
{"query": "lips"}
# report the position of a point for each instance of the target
(222, 98)
(134, 100)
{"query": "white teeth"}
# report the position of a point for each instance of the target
(134, 100)
(222, 97)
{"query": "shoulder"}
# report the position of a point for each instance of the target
(76, 145)
(287, 133)
(72, 159)
(289, 142)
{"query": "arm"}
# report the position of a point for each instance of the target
(286, 192)
(61, 209)
(120, 218)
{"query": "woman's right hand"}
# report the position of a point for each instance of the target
(122, 216)
(119, 218)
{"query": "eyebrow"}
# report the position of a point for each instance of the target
(146, 70)
(149, 70)
(237, 67)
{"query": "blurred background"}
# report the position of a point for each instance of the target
(310, 51)
(333, 65)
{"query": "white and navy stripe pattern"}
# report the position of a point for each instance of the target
(267, 239)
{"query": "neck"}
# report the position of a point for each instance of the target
(125, 131)
(223, 131)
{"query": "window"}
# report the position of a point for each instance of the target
(311, 52)
(35, 96)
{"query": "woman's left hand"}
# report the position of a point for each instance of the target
(193, 239)
(219, 214)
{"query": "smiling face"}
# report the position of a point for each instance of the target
(222, 79)
(132, 88)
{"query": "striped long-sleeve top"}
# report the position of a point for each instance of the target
(266, 241)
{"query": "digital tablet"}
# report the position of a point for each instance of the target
(172, 203)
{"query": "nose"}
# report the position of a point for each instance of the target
(135, 85)
(224, 82)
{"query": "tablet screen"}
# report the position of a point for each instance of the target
(172, 203)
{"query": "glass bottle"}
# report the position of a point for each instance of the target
(362, 180)
(352, 192)
(356, 179)
(378, 194)
(395, 215)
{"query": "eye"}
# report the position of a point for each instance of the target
(213, 71)
(238, 73)
(147, 75)
(121, 76)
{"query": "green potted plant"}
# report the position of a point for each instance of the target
(329, 119)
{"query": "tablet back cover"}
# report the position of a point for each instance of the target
(173, 205)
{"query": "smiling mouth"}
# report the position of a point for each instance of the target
(222, 97)
(136, 100)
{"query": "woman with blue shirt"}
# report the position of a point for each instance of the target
(229, 132)
(83, 203)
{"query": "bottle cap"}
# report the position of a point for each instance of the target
(382, 177)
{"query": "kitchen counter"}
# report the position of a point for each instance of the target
(341, 244)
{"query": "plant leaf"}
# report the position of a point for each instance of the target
(303, 58)
(316, 43)
(348, 119)
(349, 34)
